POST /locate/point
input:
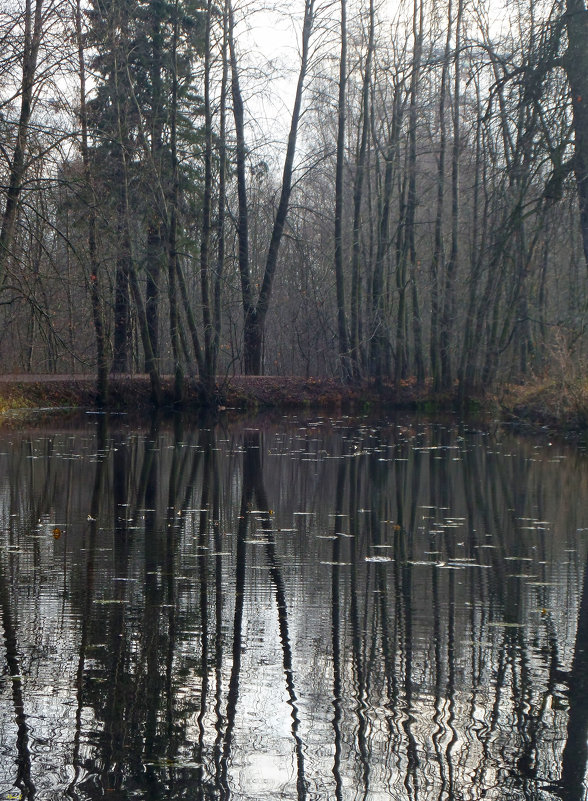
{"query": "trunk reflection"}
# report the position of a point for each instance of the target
(330, 609)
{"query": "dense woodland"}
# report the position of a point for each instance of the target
(399, 192)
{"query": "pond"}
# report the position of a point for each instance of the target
(292, 608)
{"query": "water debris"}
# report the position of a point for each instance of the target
(166, 762)
(503, 624)
(520, 576)
(107, 601)
(379, 559)
(542, 584)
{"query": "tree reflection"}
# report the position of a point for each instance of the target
(90, 574)
(240, 572)
(23, 778)
(404, 625)
(254, 489)
(336, 629)
(575, 754)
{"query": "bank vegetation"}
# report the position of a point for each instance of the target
(395, 197)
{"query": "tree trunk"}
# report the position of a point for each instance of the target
(339, 206)
(418, 19)
(576, 66)
(190, 318)
(467, 368)
(172, 255)
(95, 297)
(377, 301)
(438, 255)
(252, 344)
(355, 334)
(155, 235)
(449, 300)
(153, 266)
(208, 378)
(126, 246)
(243, 214)
(122, 301)
(401, 345)
(222, 197)
(17, 167)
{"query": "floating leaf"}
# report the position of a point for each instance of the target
(502, 624)
(104, 601)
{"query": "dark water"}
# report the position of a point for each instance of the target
(314, 609)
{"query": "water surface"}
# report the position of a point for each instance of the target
(292, 609)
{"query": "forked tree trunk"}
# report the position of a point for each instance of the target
(255, 313)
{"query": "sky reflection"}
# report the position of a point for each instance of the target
(308, 610)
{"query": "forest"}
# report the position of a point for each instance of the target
(362, 189)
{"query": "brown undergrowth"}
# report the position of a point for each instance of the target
(238, 392)
(557, 403)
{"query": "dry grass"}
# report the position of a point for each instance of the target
(14, 401)
(559, 401)
(548, 401)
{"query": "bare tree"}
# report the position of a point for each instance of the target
(255, 311)
(576, 67)
(33, 30)
(95, 295)
(339, 211)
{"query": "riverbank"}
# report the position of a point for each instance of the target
(558, 405)
(239, 393)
